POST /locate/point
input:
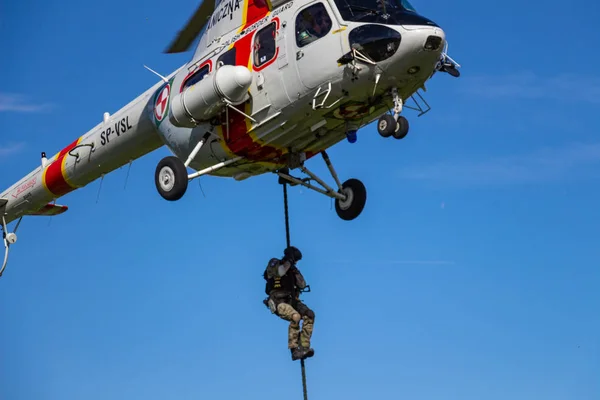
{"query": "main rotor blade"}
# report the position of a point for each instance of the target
(186, 36)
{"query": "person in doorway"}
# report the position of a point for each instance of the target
(284, 283)
(313, 23)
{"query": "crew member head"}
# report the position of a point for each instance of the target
(292, 254)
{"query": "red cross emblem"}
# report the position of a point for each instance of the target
(161, 103)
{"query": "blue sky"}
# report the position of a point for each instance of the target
(472, 273)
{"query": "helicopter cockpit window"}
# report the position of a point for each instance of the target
(196, 77)
(312, 23)
(228, 58)
(407, 6)
(264, 45)
(387, 12)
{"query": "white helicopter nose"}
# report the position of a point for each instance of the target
(435, 39)
(425, 38)
(418, 52)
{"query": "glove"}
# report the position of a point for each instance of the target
(270, 305)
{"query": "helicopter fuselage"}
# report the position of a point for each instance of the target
(263, 90)
(304, 96)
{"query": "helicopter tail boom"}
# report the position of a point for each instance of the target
(118, 140)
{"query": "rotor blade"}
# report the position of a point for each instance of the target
(186, 36)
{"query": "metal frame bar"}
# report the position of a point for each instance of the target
(360, 56)
(5, 257)
(213, 168)
(418, 107)
(230, 105)
(326, 93)
(328, 190)
(331, 169)
(196, 149)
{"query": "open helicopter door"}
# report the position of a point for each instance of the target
(316, 43)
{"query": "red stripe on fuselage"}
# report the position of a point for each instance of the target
(54, 179)
(238, 139)
(243, 50)
(257, 9)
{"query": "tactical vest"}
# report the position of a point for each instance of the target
(285, 283)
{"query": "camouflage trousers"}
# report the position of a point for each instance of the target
(293, 314)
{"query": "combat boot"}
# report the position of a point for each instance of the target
(308, 351)
(297, 353)
(300, 353)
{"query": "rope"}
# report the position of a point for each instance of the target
(287, 238)
(287, 217)
(303, 379)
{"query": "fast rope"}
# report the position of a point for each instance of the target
(287, 238)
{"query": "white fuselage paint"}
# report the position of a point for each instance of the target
(282, 94)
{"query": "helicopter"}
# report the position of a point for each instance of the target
(270, 85)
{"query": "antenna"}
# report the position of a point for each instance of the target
(165, 80)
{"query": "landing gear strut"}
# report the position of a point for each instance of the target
(350, 197)
(395, 124)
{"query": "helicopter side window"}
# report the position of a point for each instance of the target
(196, 77)
(227, 58)
(264, 45)
(312, 23)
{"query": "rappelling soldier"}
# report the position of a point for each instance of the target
(284, 285)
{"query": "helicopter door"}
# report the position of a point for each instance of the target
(317, 47)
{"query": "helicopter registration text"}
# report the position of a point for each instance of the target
(119, 127)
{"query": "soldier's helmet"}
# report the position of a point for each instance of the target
(292, 254)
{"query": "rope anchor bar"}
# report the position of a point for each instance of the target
(287, 238)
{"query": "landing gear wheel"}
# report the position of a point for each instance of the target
(350, 197)
(401, 128)
(356, 194)
(171, 178)
(386, 125)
